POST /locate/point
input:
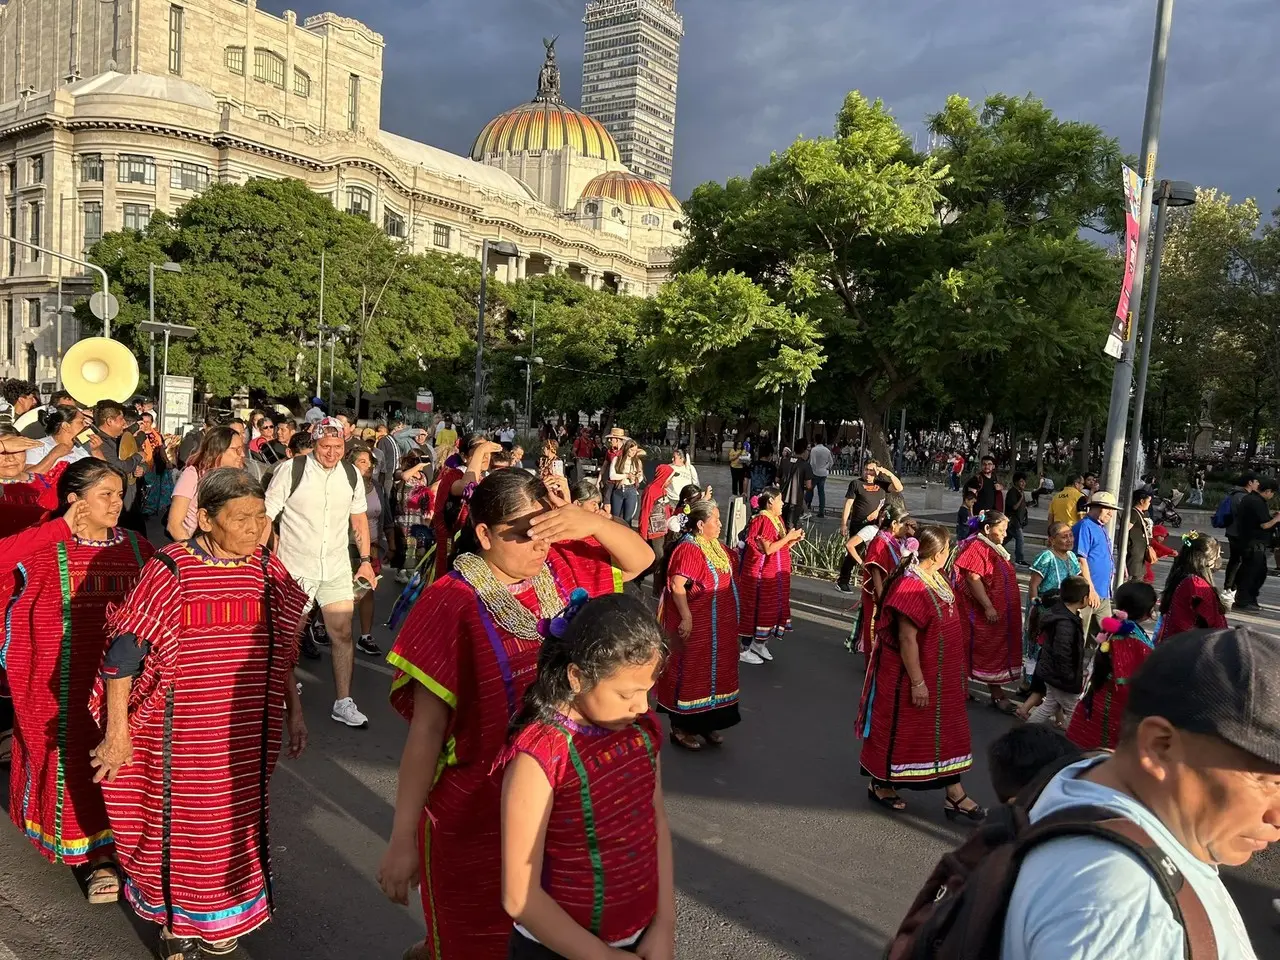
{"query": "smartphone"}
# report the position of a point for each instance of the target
(557, 467)
(84, 436)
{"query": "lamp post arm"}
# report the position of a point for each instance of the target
(106, 324)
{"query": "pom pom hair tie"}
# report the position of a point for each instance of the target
(911, 546)
(560, 623)
(755, 503)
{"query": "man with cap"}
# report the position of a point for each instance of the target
(1197, 767)
(612, 444)
(316, 412)
(1093, 548)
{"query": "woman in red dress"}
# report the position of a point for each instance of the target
(197, 684)
(912, 719)
(1190, 601)
(463, 660)
(881, 557)
(1095, 722)
(991, 607)
(449, 496)
(53, 645)
(764, 579)
(655, 513)
(699, 609)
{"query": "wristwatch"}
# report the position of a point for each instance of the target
(365, 560)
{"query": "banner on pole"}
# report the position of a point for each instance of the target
(426, 401)
(1122, 326)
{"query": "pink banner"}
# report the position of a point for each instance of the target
(1122, 328)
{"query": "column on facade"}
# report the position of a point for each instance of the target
(522, 266)
(594, 278)
(555, 267)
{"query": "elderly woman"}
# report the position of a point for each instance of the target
(53, 645)
(220, 448)
(463, 660)
(185, 746)
(28, 485)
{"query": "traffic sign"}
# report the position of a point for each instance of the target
(104, 306)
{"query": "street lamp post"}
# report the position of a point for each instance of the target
(1171, 193)
(1122, 379)
(106, 293)
(58, 313)
(507, 250)
(333, 343)
(320, 341)
(529, 363)
(169, 267)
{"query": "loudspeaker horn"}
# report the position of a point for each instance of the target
(99, 368)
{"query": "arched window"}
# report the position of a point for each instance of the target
(360, 202)
(591, 209)
(301, 83)
(269, 119)
(233, 57)
(393, 224)
(651, 220)
(268, 67)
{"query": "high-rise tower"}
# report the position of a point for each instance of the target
(630, 69)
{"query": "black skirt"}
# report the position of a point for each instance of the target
(709, 721)
(520, 947)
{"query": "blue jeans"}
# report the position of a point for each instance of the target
(820, 488)
(625, 503)
(1015, 534)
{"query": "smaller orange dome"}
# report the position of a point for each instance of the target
(633, 190)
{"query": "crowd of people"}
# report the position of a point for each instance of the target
(529, 811)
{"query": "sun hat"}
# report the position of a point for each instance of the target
(1104, 499)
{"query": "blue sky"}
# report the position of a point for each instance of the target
(756, 74)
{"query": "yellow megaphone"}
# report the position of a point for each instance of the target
(99, 368)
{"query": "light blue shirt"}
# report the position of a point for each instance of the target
(1082, 898)
(1094, 545)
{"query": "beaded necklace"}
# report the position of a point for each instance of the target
(714, 552)
(936, 582)
(777, 524)
(508, 612)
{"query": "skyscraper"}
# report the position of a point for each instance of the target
(630, 69)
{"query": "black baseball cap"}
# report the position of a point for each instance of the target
(1224, 683)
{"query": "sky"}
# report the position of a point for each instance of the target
(757, 74)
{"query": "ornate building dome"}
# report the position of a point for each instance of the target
(548, 123)
(631, 189)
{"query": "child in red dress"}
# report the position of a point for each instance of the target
(582, 808)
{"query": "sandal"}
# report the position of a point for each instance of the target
(954, 810)
(1004, 705)
(891, 802)
(713, 738)
(177, 948)
(102, 885)
(685, 741)
(219, 948)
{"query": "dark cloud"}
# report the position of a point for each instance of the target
(758, 73)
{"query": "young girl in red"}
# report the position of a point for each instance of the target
(582, 808)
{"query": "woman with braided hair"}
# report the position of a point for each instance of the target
(990, 603)
(1190, 601)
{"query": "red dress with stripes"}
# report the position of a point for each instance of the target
(995, 649)
(440, 525)
(454, 647)
(55, 632)
(1195, 606)
(764, 582)
(904, 744)
(600, 857)
(699, 686)
(206, 717)
(882, 553)
(1095, 723)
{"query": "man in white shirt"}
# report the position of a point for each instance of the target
(506, 435)
(820, 461)
(1198, 769)
(314, 547)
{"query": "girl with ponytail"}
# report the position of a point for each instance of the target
(912, 718)
(883, 554)
(586, 730)
(764, 578)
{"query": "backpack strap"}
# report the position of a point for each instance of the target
(350, 470)
(133, 542)
(1188, 909)
(299, 470)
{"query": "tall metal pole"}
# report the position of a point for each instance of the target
(364, 326)
(59, 331)
(333, 343)
(106, 291)
(528, 371)
(479, 384)
(902, 440)
(151, 313)
(163, 399)
(320, 340)
(1140, 395)
(1122, 380)
(781, 397)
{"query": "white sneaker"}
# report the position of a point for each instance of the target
(749, 656)
(761, 650)
(344, 711)
(404, 576)
(1228, 597)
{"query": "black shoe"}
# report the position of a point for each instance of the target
(366, 645)
(319, 635)
(1246, 606)
(844, 588)
(309, 649)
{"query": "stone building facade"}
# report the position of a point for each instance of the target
(111, 110)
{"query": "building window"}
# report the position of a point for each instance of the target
(175, 39)
(268, 67)
(393, 224)
(6, 335)
(301, 83)
(92, 223)
(268, 119)
(13, 175)
(353, 102)
(136, 216)
(91, 168)
(233, 57)
(37, 170)
(360, 202)
(34, 307)
(13, 247)
(650, 220)
(136, 169)
(33, 213)
(591, 209)
(443, 236)
(188, 176)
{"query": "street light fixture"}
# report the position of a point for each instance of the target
(169, 267)
(508, 251)
(1168, 193)
(529, 364)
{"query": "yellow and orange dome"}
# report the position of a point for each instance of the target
(633, 190)
(544, 125)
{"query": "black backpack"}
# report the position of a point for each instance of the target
(299, 467)
(959, 914)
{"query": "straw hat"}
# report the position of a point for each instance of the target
(617, 433)
(1104, 499)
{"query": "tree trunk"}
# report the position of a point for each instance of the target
(1086, 446)
(1044, 438)
(984, 438)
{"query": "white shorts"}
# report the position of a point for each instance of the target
(331, 592)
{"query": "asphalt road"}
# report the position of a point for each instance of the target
(778, 853)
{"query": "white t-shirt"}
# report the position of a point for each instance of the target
(820, 460)
(507, 435)
(314, 527)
